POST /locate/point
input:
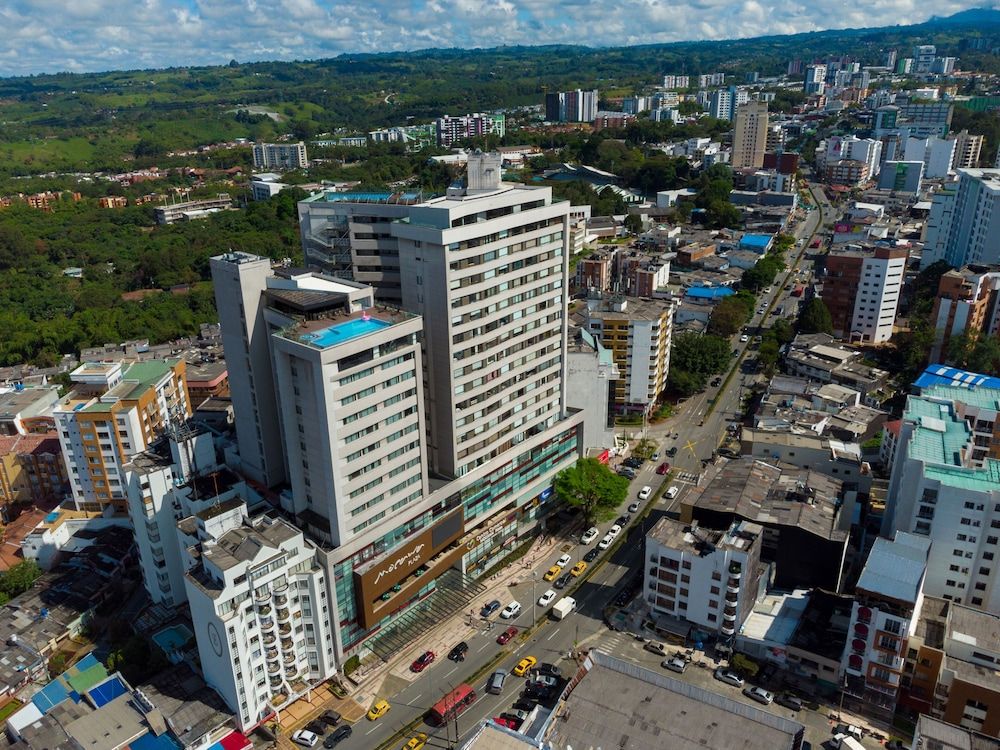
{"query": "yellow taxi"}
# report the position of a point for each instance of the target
(578, 568)
(524, 665)
(552, 573)
(379, 709)
(416, 742)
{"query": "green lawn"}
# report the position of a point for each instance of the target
(9, 709)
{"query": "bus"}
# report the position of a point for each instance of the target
(451, 705)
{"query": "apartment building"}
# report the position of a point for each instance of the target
(452, 129)
(676, 82)
(951, 663)
(113, 411)
(887, 603)
(815, 79)
(168, 213)
(24, 410)
(901, 176)
(966, 303)
(750, 135)
(572, 106)
(710, 578)
(348, 235)
(861, 288)
(637, 331)
(931, 732)
(851, 148)
(281, 156)
(968, 149)
(965, 220)
(936, 153)
(941, 491)
(260, 611)
(31, 469)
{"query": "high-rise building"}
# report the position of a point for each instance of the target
(676, 82)
(861, 288)
(750, 135)
(32, 470)
(590, 373)
(705, 576)
(901, 176)
(711, 79)
(451, 130)
(967, 302)
(964, 221)
(887, 603)
(283, 156)
(112, 412)
(851, 148)
(815, 81)
(348, 235)
(944, 483)
(637, 331)
(923, 58)
(968, 149)
(936, 153)
(571, 106)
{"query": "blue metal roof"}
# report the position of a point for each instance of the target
(756, 240)
(944, 375)
(708, 292)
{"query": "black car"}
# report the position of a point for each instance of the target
(489, 608)
(317, 727)
(341, 733)
(330, 717)
(626, 472)
(672, 451)
(562, 580)
(789, 700)
(538, 692)
(458, 652)
(525, 705)
(716, 382)
(623, 519)
(592, 555)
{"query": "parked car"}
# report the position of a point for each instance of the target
(317, 727)
(592, 555)
(522, 667)
(504, 638)
(758, 694)
(524, 706)
(516, 713)
(340, 733)
(626, 472)
(578, 569)
(503, 721)
(546, 668)
(656, 647)
(789, 700)
(546, 599)
(744, 339)
(674, 664)
(331, 718)
(458, 652)
(589, 535)
(511, 610)
(672, 451)
(663, 468)
(615, 530)
(563, 580)
(563, 561)
(606, 541)
(622, 520)
(728, 676)
(633, 507)
(544, 680)
(305, 738)
(423, 661)
(489, 608)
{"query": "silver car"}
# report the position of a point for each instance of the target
(728, 676)
(758, 694)
(675, 664)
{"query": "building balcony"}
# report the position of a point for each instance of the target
(733, 588)
(284, 629)
(269, 639)
(281, 601)
(288, 660)
(262, 596)
(732, 598)
(276, 680)
(280, 587)
(284, 615)
(272, 653)
(273, 668)
(266, 623)
(735, 571)
(263, 610)
(729, 616)
(287, 644)
(727, 629)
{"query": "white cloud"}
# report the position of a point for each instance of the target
(93, 35)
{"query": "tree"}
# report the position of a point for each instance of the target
(728, 316)
(18, 579)
(633, 223)
(815, 317)
(591, 487)
(782, 331)
(684, 384)
(703, 355)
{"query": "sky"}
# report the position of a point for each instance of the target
(48, 36)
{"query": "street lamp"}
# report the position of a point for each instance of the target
(534, 600)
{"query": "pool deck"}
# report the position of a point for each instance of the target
(389, 315)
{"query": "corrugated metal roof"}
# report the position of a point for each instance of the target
(896, 568)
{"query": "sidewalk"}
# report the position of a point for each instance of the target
(388, 678)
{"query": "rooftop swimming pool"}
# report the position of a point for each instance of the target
(341, 332)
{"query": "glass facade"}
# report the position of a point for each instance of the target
(507, 481)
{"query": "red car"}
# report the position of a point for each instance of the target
(663, 468)
(423, 661)
(506, 635)
(505, 722)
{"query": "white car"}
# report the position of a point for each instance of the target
(767, 290)
(645, 492)
(614, 531)
(546, 599)
(305, 738)
(511, 610)
(563, 561)
(589, 535)
(744, 339)
(606, 541)
(728, 676)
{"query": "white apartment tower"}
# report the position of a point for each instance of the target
(260, 610)
(485, 267)
(281, 156)
(964, 222)
(968, 149)
(750, 135)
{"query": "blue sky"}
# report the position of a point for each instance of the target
(45, 36)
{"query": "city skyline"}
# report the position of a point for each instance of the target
(97, 36)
